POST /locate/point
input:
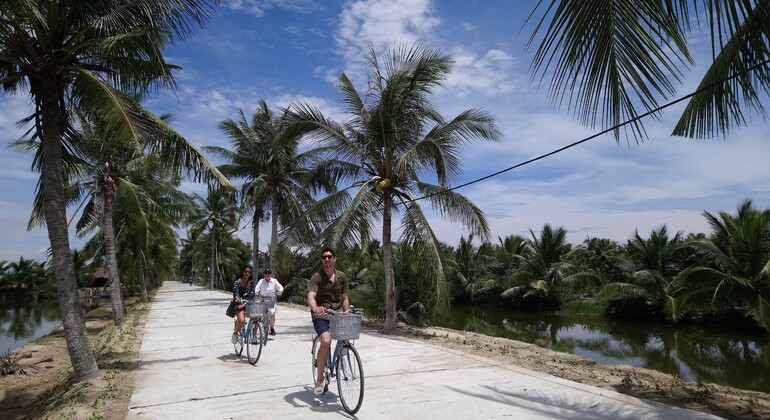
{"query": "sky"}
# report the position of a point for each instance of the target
(284, 51)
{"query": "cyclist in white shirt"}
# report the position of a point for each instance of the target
(269, 286)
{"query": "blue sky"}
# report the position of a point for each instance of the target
(293, 50)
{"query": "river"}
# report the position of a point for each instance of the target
(23, 321)
(736, 359)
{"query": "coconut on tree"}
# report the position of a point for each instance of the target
(393, 139)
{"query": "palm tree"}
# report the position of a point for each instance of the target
(548, 272)
(102, 170)
(469, 269)
(244, 163)
(657, 276)
(188, 266)
(360, 258)
(214, 218)
(512, 252)
(151, 223)
(607, 58)
(603, 256)
(497, 268)
(82, 263)
(148, 207)
(70, 54)
(389, 144)
(4, 274)
(28, 275)
(280, 181)
(159, 252)
(738, 252)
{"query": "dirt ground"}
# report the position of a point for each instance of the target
(50, 393)
(47, 389)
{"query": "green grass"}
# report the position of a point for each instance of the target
(584, 309)
(99, 312)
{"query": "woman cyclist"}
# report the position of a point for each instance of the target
(243, 291)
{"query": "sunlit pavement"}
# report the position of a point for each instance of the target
(188, 371)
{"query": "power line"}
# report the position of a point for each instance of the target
(638, 117)
(561, 149)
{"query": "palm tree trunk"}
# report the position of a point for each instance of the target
(387, 260)
(108, 230)
(54, 206)
(140, 270)
(255, 233)
(274, 233)
(213, 267)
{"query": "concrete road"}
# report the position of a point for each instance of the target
(188, 371)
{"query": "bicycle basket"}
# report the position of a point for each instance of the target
(345, 327)
(256, 309)
(269, 301)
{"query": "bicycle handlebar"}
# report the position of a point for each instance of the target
(352, 310)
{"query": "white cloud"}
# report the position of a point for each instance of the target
(489, 74)
(259, 8)
(383, 23)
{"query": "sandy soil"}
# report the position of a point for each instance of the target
(49, 392)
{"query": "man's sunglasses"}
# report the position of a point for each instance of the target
(327, 257)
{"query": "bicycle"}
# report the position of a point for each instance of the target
(246, 331)
(254, 332)
(344, 363)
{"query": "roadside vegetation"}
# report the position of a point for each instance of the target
(720, 279)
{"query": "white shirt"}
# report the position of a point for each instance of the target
(269, 288)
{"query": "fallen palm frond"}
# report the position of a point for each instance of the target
(16, 363)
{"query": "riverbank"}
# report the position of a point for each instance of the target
(49, 391)
(642, 383)
(51, 394)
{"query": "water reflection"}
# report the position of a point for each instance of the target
(23, 321)
(729, 358)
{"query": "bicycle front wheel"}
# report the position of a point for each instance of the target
(254, 342)
(350, 379)
(314, 356)
(238, 345)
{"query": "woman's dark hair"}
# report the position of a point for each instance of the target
(251, 274)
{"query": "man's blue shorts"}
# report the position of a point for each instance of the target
(321, 325)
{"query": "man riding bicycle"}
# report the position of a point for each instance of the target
(270, 287)
(328, 289)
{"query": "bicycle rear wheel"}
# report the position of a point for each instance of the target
(254, 341)
(350, 379)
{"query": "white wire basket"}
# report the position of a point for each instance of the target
(345, 327)
(256, 309)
